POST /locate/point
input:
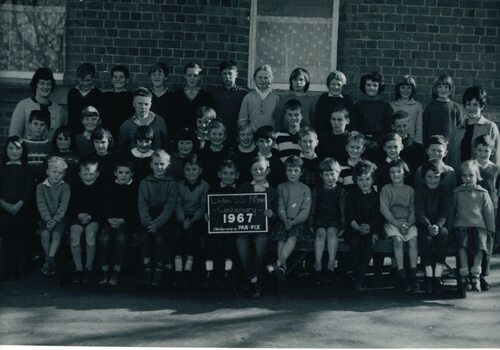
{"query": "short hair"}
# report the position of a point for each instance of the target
(123, 162)
(88, 163)
(228, 163)
(485, 140)
(406, 80)
(142, 91)
(294, 161)
(398, 115)
(206, 111)
(42, 73)
(144, 132)
(265, 132)
(399, 163)
(160, 152)
(184, 134)
(192, 65)
(297, 72)
(292, 105)
(475, 92)
(356, 136)
(85, 69)
(267, 68)
(340, 107)
(258, 159)
(337, 75)
(66, 132)
(89, 111)
(159, 66)
(227, 64)
(121, 68)
(328, 164)
(216, 124)
(101, 133)
(373, 76)
(244, 124)
(41, 115)
(392, 136)
(306, 131)
(193, 159)
(437, 140)
(443, 79)
(19, 143)
(55, 161)
(364, 167)
(473, 165)
(433, 165)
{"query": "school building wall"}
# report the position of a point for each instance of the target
(420, 37)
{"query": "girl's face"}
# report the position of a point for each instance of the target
(482, 153)
(14, 153)
(217, 136)
(405, 91)
(365, 182)
(185, 147)
(43, 88)
(330, 177)
(245, 138)
(192, 77)
(339, 122)
(90, 122)
(293, 173)
(473, 109)
(123, 175)
(308, 143)
(85, 82)
(119, 81)
(299, 83)
(158, 78)
(397, 175)
(144, 146)
(63, 142)
(469, 176)
(264, 145)
(355, 149)
(371, 87)
(192, 172)
(262, 80)
(101, 146)
(443, 91)
(432, 179)
(228, 176)
(335, 87)
(259, 171)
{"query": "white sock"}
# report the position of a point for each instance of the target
(438, 271)
(228, 265)
(209, 265)
(189, 264)
(428, 271)
(253, 279)
(178, 263)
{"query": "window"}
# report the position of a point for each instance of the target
(32, 36)
(294, 33)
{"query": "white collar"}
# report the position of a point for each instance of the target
(136, 153)
(339, 95)
(14, 162)
(128, 183)
(314, 155)
(388, 160)
(47, 183)
(227, 186)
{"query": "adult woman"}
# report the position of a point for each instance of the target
(42, 85)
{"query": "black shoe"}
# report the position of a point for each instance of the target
(403, 282)
(113, 281)
(104, 278)
(157, 276)
(437, 285)
(177, 279)
(484, 285)
(462, 287)
(187, 278)
(429, 284)
(280, 274)
(86, 276)
(209, 280)
(146, 277)
(77, 277)
(318, 278)
(254, 290)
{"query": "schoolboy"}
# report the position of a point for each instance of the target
(392, 145)
(287, 142)
(264, 139)
(228, 97)
(413, 153)
(118, 105)
(85, 216)
(119, 211)
(37, 144)
(161, 101)
(140, 155)
(355, 148)
(184, 145)
(308, 141)
(204, 115)
(90, 119)
(52, 198)
(82, 95)
(245, 149)
(332, 142)
(156, 204)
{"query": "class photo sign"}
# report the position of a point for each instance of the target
(237, 213)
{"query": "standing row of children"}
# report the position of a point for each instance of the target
(174, 187)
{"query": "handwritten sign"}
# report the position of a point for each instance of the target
(237, 213)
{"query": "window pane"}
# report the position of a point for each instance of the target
(291, 8)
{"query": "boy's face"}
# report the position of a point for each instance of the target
(371, 87)
(159, 166)
(143, 145)
(55, 174)
(90, 122)
(228, 176)
(330, 177)
(436, 152)
(264, 145)
(63, 142)
(123, 174)
(229, 76)
(365, 182)
(443, 91)
(397, 174)
(339, 122)
(482, 153)
(245, 138)
(185, 147)
(335, 87)
(299, 83)
(293, 118)
(262, 80)
(89, 174)
(432, 179)
(259, 171)
(473, 109)
(192, 77)
(142, 105)
(37, 129)
(392, 148)
(469, 177)
(202, 123)
(401, 126)
(355, 149)
(14, 153)
(43, 88)
(119, 81)
(101, 146)
(158, 78)
(85, 82)
(192, 172)
(293, 173)
(308, 143)
(217, 136)
(405, 91)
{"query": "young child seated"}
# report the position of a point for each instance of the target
(397, 207)
(85, 218)
(245, 150)
(140, 155)
(52, 198)
(294, 205)
(355, 148)
(264, 139)
(432, 211)
(37, 144)
(308, 140)
(328, 211)
(184, 145)
(119, 212)
(90, 119)
(287, 142)
(204, 115)
(156, 204)
(332, 143)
